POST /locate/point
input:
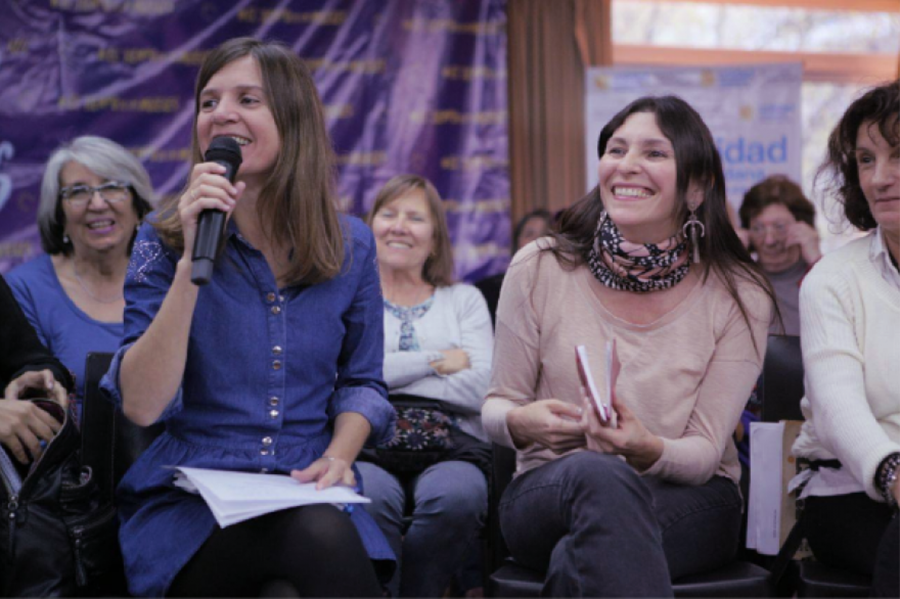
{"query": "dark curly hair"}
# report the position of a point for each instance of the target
(880, 107)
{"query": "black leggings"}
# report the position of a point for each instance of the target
(316, 549)
(856, 533)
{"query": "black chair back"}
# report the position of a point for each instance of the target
(780, 387)
(780, 391)
(110, 442)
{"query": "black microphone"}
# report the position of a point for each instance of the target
(211, 224)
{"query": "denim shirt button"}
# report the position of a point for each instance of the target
(273, 401)
(273, 414)
(276, 310)
(276, 350)
(270, 297)
(263, 452)
(267, 441)
(276, 365)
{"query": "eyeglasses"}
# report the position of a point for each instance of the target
(77, 196)
(779, 229)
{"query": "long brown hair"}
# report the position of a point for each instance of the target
(698, 162)
(296, 206)
(438, 268)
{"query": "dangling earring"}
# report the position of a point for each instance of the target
(691, 228)
(66, 239)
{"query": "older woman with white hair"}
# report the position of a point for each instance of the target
(93, 196)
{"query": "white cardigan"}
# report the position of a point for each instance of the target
(850, 322)
(458, 318)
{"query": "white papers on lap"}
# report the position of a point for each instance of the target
(237, 496)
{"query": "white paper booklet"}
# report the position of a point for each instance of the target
(602, 403)
(764, 507)
(237, 496)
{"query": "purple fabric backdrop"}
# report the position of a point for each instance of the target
(409, 86)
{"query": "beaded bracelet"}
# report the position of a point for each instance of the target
(886, 476)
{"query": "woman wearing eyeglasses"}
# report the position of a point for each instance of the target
(780, 222)
(93, 197)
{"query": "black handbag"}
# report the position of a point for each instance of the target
(425, 434)
(58, 537)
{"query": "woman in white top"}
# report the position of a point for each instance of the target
(437, 345)
(849, 319)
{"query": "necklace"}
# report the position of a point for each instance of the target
(88, 291)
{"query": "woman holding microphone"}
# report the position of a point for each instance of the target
(274, 366)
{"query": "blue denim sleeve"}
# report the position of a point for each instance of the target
(360, 386)
(149, 276)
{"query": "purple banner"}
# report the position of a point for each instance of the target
(408, 85)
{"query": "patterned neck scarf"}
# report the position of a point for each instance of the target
(621, 264)
(408, 314)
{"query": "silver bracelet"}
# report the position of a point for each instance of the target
(886, 476)
(889, 481)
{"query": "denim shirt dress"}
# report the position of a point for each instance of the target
(267, 372)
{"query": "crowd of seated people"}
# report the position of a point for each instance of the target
(345, 354)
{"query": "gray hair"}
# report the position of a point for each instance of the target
(106, 159)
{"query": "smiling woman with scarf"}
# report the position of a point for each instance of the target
(649, 259)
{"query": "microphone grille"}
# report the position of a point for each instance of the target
(225, 149)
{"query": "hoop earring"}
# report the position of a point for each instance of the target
(691, 229)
